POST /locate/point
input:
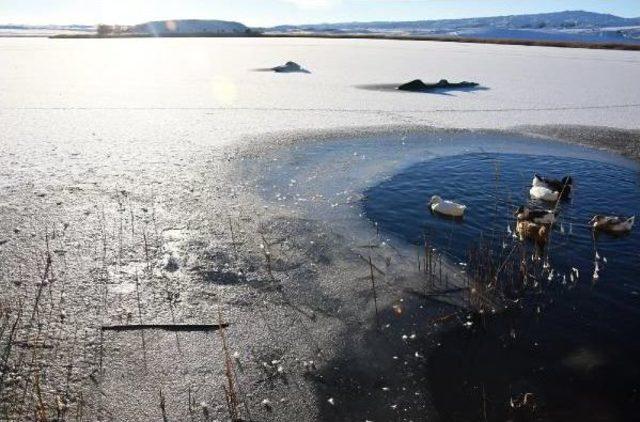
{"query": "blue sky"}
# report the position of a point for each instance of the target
(271, 12)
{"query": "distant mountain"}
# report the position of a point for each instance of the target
(557, 20)
(563, 26)
(189, 26)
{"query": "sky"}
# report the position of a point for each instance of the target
(275, 12)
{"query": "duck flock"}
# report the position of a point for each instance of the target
(535, 224)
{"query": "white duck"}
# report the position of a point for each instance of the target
(544, 193)
(563, 185)
(449, 208)
(612, 224)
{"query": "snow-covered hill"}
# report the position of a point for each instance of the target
(561, 26)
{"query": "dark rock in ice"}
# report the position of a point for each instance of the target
(289, 67)
(419, 86)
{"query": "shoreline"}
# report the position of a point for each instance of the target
(469, 40)
(122, 36)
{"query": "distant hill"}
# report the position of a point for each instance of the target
(190, 26)
(568, 26)
(561, 26)
(184, 27)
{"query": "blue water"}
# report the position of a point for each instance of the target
(576, 345)
(493, 186)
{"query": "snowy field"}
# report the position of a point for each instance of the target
(123, 200)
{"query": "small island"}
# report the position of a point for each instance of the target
(169, 28)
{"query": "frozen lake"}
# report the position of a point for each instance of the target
(142, 99)
(120, 157)
(211, 81)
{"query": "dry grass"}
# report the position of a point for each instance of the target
(230, 389)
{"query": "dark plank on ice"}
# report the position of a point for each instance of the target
(165, 327)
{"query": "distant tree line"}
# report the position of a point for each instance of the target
(104, 30)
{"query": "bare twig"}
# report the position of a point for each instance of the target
(231, 395)
(373, 287)
(163, 408)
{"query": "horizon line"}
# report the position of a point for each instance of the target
(317, 23)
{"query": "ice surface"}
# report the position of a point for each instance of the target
(204, 90)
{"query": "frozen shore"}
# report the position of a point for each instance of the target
(126, 202)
